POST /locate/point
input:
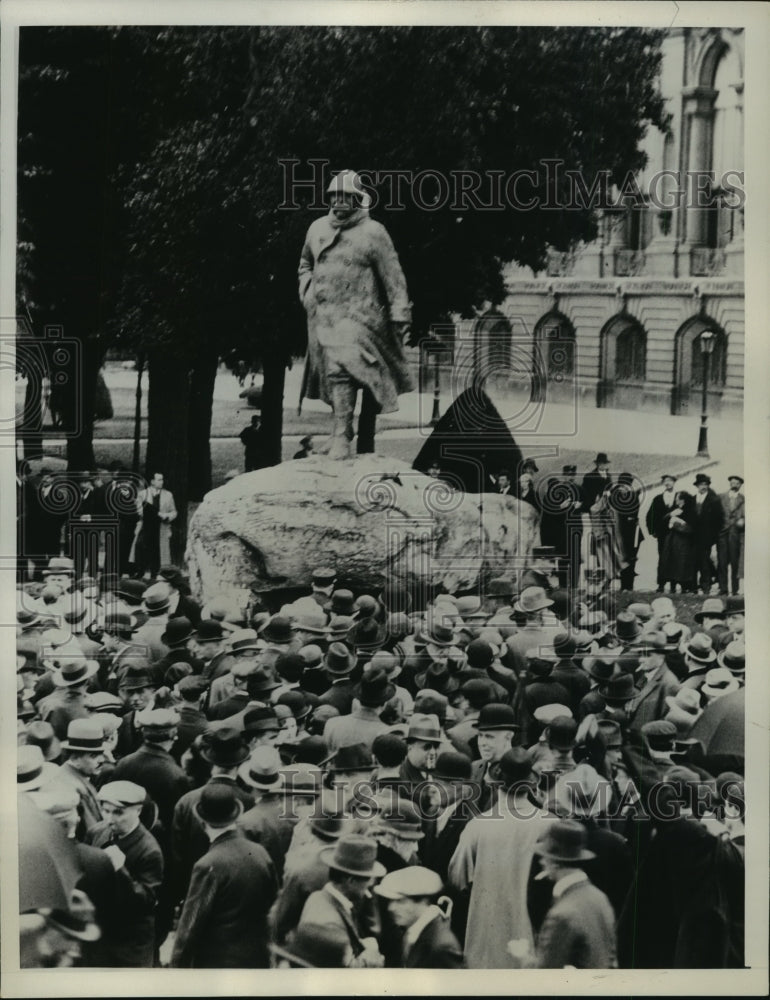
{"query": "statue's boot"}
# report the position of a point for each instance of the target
(343, 401)
(367, 422)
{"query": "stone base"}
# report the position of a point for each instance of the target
(370, 518)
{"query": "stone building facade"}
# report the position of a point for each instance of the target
(617, 323)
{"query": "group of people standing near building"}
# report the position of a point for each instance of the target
(597, 523)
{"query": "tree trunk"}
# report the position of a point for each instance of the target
(78, 404)
(202, 381)
(274, 369)
(168, 406)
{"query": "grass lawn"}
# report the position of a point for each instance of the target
(228, 418)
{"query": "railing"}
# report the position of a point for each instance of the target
(628, 263)
(705, 261)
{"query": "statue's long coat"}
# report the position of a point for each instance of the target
(352, 287)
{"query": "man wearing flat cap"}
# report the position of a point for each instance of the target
(138, 862)
(358, 312)
(427, 943)
(730, 541)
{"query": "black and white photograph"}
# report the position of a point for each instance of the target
(390, 438)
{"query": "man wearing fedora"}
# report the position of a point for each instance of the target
(363, 724)
(654, 681)
(339, 664)
(493, 861)
(731, 537)
(241, 672)
(121, 652)
(225, 750)
(155, 602)
(342, 902)
(180, 602)
(585, 796)
(699, 658)
(452, 778)
(708, 524)
(68, 700)
(536, 631)
(137, 691)
(579, 929)
(358, 311)
(189, 691)
(306, 872)
(214, 647)
(423, 739)
(138, 862)
(271, 820)
(223, 924)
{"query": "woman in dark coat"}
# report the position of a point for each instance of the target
(678, 559)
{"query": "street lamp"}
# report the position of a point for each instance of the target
(706, 342)
(436, 415)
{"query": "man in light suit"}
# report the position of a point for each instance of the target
(579, 929)
(730, 541)
(152, 542)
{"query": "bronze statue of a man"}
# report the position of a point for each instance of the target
(358, 314)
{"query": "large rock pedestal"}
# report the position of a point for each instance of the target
(370, 518)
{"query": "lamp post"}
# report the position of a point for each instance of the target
(436, 415)
(706, 342)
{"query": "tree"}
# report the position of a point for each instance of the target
(205, 244)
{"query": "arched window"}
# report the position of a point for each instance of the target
(631, 355)
(717, 365)
(726, 150)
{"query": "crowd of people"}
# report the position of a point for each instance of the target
(531, 775)
(600, 522)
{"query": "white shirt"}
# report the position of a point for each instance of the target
(567, 882)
